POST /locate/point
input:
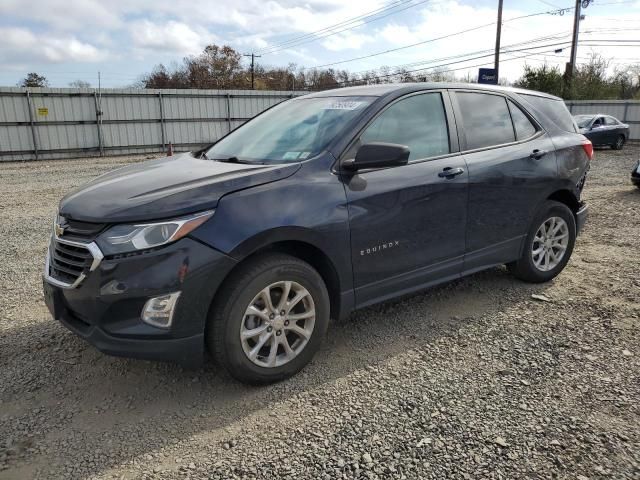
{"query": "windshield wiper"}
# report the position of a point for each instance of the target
(238, 160)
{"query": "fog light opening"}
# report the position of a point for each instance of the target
(158, 311)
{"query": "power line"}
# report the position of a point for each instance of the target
(329, 31)
(403, 47)
(466, 67)
(461, 32)
(293, 43)
(459, 61)
(330, 27)
(549, 3)
(556, 36)
(485, 56)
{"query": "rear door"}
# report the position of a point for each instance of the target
(511, 163)
(408, 222)
(612, 130)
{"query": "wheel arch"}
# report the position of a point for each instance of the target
(303, 249)
(566, 197)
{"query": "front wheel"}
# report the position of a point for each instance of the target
(548, 245)
(269, 319)
(619, 143)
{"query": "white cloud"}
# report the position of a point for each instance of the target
(170, 37)
(154, 31)
(346, 41)
(67, 15)
(438, 20)
(20, 45)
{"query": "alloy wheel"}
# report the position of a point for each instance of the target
(277, 324)
(550, 244)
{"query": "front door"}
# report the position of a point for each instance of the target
(408, 222)
(598, 134)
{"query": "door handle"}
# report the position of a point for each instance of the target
(538, 154)
(449, 172)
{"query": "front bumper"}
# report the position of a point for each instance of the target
(581, 217)
(105, 307)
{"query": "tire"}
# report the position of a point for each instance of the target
(230, 315)
(526, 268)
(620, 141)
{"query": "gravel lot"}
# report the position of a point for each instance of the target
(475, 379)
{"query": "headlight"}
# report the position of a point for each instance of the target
(129, 238)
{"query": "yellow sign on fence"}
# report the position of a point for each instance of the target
(43, 112)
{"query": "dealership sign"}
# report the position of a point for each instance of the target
(487, 75)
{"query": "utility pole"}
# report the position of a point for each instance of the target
(253, 57)
(496, 63)
(571, 66)
(574, 41)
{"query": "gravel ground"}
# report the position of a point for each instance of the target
(485, 377)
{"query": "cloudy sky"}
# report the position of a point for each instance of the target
(69, 40)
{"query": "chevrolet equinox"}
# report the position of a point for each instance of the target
(318, 206)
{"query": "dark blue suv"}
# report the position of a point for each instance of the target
(319, 206)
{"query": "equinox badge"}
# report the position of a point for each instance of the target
(379, 248)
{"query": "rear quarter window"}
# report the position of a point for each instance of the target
(556, 110)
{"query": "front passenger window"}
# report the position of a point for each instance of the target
(417, 121)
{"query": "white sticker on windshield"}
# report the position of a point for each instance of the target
(346, 105)
(290, 155)
(304, 155)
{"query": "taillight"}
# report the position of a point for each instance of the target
(588, 148)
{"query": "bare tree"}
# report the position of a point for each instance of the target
(79, 84)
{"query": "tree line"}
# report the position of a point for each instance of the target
(220, 67)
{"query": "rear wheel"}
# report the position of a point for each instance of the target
(269, 319)
(619, 143)
(548, 245)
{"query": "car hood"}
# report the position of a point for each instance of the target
(164, 188)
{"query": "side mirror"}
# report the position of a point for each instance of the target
(378, 155)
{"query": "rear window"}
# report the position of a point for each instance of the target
(583, 121)
(556, 110)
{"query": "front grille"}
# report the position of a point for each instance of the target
(68, 262)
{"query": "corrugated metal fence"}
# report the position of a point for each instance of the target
(46, 123)
(627, 111)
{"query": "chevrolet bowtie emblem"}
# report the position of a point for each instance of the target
(59, 229)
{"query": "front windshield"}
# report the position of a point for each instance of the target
(583, 121)
(291, 131)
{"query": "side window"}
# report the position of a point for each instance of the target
(598, 122)
(554, 109)
(610, 121)
(522, 124)
(417, 121)
(485, 119)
